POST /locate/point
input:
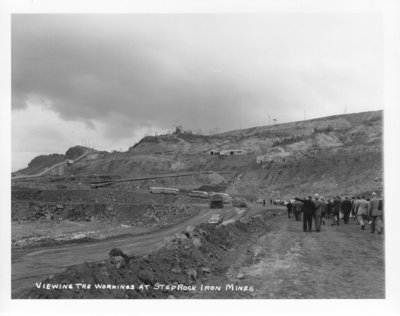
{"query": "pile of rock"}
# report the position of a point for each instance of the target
(189, 257)
(78, 215)
(104, 213)
(38, 212)
(57, 213)
(156, 216)
(192, 236)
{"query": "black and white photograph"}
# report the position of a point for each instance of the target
(198, 155)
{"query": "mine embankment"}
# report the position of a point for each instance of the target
(178, 266)
(50, 217)
(45, 224)
(81, 196)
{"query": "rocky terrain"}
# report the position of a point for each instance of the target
(264, 256)
(332, 155)
(177, 265)
(48, 217)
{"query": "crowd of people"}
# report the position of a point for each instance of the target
(317, 210)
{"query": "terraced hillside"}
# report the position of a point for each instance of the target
(338, 154)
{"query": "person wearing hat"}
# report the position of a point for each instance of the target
(329, 208)
(336, 205)
(374, 213)
(362, 211)
(346, 209)
(289, 207)
(354, 209)
(297, 209)
(308, 212)
(323, 210)
(317, 213)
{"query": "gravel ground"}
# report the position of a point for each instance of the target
(341, 262)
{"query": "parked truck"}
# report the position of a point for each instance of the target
(216, 201)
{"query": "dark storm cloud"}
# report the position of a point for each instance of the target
(89, 72)
(135, 71)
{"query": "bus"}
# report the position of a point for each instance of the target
(200, 194)
(160, 190)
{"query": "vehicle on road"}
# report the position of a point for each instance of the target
(278, 202)
(200, 194)
(216, 201)
(161, 190)
(225, 196)
(215, 219)
(239, 202)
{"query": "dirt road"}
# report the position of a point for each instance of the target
(282, 263)
(339, 262)
(30, 266)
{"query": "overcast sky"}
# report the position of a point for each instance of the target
(107, 80)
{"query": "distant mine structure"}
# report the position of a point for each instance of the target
(227, 152)
(273, 157)
(179, 130)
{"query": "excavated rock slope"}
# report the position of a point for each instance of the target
(175, 268)
(332, 155)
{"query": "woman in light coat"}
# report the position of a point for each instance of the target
(362, 211)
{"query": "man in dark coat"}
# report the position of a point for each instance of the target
(346, 209)
(317, 213)
(375, 213)
(336, 206)
(329, 209)
(297, 209)
(289, 209)
(308, 213)
(380, 206)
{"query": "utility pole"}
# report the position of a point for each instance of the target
(345, 108)
(269, 120)
(304, 115)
